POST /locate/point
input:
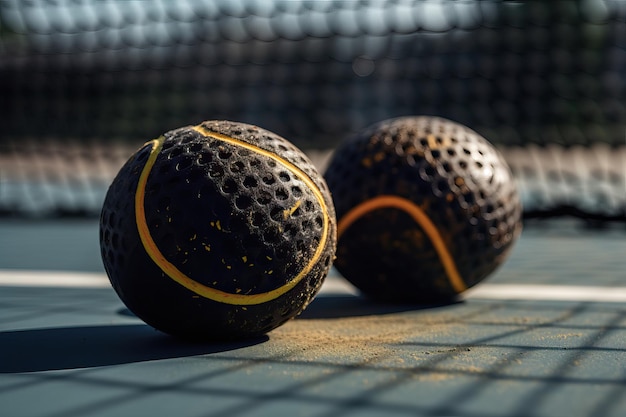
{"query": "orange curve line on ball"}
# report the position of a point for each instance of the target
(386, 201)
(208, 292)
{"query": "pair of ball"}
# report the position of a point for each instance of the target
(225, 230)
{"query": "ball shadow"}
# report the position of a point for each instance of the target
(94, 346)
(332, 306)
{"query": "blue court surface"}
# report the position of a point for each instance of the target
(544, 336)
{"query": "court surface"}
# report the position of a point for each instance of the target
(544, 336)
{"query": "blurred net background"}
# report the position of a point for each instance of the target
(83, 83)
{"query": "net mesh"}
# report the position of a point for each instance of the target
(84, 82)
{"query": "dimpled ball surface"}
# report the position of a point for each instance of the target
(426, 208)
(217, 231)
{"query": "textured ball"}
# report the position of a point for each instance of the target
(218, 231)
(426, 208)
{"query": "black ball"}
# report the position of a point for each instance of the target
(218, 231)
(426, 209)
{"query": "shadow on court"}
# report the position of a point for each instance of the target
(341, 305)
(338, 306)
(94, 346)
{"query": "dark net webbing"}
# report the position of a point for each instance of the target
(543, 80)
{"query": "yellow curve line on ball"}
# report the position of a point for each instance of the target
(208, 292)
(386, 201)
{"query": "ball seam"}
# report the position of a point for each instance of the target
(208, 292)
(420, 217)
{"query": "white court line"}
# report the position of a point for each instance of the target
(518, 292)
(336, 285)
(548, 293)
(26, 278)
